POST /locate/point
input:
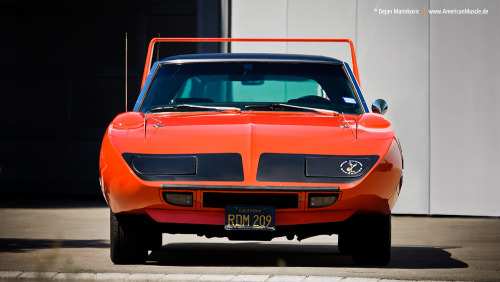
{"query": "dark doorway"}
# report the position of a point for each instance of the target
(62, 77)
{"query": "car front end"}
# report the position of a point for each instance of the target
(251, 147)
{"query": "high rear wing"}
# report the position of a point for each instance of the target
(149, 57)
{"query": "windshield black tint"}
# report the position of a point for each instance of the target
(239, 84)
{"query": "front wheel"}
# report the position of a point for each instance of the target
(345, 243)
(154, 240)
(372, 244)
(128, 238)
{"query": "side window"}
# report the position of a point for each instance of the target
(268, 91)
(276, 89)
(186, 89)
(199, 89)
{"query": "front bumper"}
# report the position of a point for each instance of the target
(375, 193)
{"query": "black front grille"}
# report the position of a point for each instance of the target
(278, 200)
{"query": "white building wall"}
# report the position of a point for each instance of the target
(465, 95)
(394, 63)
(439, 75)
(250, 19)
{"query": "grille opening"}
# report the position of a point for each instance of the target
(278, 200)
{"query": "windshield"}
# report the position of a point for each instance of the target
(252, 86)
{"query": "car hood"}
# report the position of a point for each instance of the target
(251, 133)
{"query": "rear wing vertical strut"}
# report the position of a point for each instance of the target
(149, 56)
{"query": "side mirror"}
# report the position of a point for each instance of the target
(379, 106)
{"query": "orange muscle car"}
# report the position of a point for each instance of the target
(251, 147)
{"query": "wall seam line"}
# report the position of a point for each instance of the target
(356, 27)
(429, 108)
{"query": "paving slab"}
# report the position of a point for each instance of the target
(251, 278)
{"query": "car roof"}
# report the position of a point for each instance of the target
(251, 57)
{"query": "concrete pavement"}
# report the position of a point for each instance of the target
(66, 236)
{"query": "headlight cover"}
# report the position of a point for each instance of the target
(186, 167)
(279, 167)
(336, 166)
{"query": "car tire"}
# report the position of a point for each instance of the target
(345, 243)
(372, 244)
(128, 239)
(154, 240)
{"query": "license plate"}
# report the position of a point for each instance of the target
(250, 218)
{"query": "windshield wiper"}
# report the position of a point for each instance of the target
(275, 106)
(195, 108)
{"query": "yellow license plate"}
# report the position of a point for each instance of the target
(250, 218)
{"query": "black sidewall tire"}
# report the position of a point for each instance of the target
(345, 242)
(154, 240)
(372, 244)
(128, 239)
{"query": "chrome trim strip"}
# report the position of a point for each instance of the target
(147, 85)
(247, 188)
(354, 88)
(230, 60)
(357, 87)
